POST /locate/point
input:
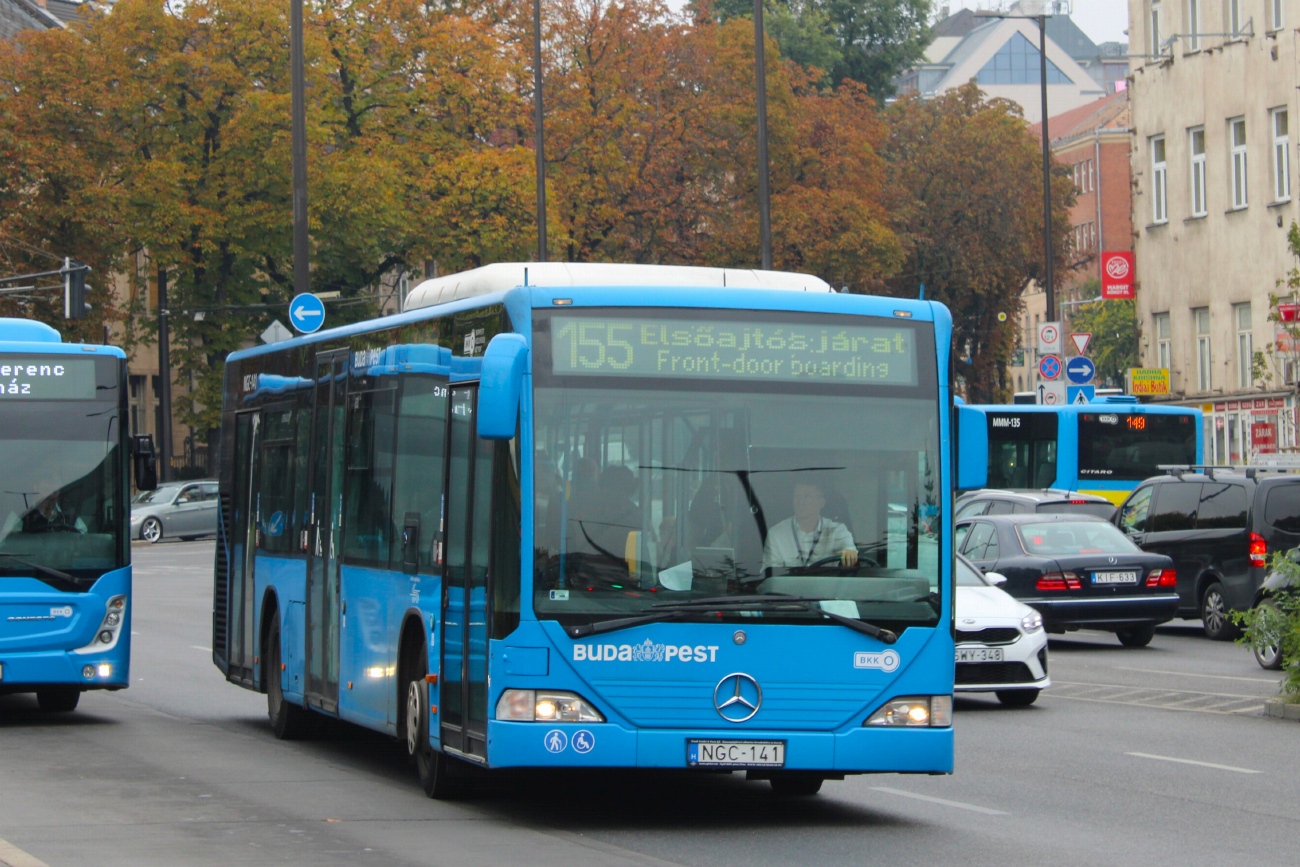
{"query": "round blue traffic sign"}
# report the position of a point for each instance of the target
(306, 313)
(1080, 370)
(1049, 367)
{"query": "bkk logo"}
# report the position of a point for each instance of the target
(887, 661)
(646, 651)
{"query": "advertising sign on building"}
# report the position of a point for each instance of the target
(1263, 437)
(1117, 275)
(1284, 342)
(1148, 381)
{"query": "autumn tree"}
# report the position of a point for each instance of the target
(970, 216)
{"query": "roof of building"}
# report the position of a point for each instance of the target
(19, 15)
(1108, 113)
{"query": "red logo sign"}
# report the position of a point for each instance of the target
(1117, 275)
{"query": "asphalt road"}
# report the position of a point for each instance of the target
(1156, 756)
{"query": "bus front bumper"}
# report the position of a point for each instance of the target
(606, 745)
(25, 672)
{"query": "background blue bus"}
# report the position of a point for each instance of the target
(65, 566)
(524, 525)
(1105, 447)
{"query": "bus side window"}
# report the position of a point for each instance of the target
(418, 466)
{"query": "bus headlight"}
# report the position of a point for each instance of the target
(529, 705)
(110, 628)
(915, 710)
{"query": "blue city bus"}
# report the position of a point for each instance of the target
(65, 564)
(1104, 447)
(534, 521)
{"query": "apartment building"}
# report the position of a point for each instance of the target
(1213, 93)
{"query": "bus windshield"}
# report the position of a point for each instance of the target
(1131, 446)
(648, 494)
(59, 500)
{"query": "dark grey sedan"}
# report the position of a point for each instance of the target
(1075, 570)
(175, 509)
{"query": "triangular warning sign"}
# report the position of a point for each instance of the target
(1081, 340)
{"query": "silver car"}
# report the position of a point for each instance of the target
(176, 509)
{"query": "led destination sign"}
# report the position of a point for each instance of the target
(47, 378)
(708, 349)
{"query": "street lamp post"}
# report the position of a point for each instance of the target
(538, 117)
(1049, 282)
(764, 194)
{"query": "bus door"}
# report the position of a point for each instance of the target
(325, 518)
(463, 710)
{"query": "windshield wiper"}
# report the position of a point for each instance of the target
(672, 610)
(776, 601)
(49, 572)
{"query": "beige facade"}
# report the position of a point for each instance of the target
(1213, 196)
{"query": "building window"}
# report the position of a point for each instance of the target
(1159, 202)
(1196, 139)
(1194, 25)
(1281, 157)
(1245, 343)
(1092, 176)
(137, 403)
(1237, 138)
(1017, 62)
(1234, 17)
(1155, 28)
(1277, 14)
(1163, 351)
(1204, 381)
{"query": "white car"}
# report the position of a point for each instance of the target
(1001, 644)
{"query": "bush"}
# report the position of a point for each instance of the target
(1275, 622)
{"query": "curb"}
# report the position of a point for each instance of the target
(1276, 707)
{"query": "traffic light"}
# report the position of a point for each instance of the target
(74, 289)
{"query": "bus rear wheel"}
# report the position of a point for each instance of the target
(289, 722)
(441, 776)
(58, 699)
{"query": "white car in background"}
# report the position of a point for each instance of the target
(1001, 643)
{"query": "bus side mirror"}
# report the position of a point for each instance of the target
(500, 384)
(972, 448)
(144, 462)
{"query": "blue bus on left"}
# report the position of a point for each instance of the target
(65, 564)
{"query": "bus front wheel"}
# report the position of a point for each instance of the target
(58, 699)
(441, 776)
(795, 783)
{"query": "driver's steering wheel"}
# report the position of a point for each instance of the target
(835, 559)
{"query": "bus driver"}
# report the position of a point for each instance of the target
(807, 537)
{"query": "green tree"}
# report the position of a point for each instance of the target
(1115, 331)
(1284, 351)
(969, 211)
(867, 41)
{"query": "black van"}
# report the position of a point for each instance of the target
(1219, 524)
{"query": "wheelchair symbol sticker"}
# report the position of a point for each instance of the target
(555, 741)
(583, 741)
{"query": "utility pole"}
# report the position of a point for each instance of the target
(764, 195)
(298, 108)
(538, 126)
(164, 382)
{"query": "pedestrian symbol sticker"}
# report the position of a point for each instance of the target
(583, 741)
(555, 741)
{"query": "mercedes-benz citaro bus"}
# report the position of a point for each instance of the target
(1105, 447)
(65, 564)
(543, 518)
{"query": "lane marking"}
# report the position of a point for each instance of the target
(1189, 674)
(958, 804)
(1194, 762)
(12, 856)
(204, 649)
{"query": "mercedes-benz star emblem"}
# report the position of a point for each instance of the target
(1113, 560)
(737, 697)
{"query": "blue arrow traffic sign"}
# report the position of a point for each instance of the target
(1049, 366)
(1080, 370)
(306, 313)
